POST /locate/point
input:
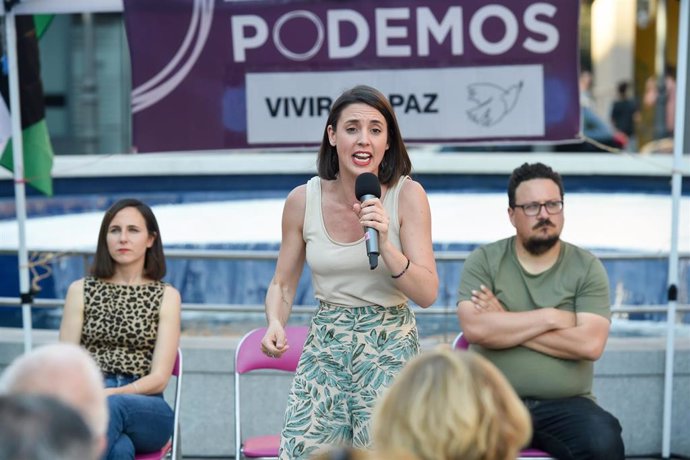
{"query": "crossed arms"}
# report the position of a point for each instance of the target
(558, 333)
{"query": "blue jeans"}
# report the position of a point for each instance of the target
(141, 423)
(575, 429)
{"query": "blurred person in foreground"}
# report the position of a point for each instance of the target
(128, 319)
(447, 405)
(66, 372)
(39, 427)
(538, 308)
(364, 331)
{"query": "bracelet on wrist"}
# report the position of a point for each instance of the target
(136, 388)
(402, 272)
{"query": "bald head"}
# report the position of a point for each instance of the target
(39, 427)
(66, 372)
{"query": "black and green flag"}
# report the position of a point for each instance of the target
(38, 151)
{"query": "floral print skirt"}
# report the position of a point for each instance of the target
(350, 356)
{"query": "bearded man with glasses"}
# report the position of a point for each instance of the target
(538, 308)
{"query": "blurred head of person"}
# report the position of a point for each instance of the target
(447, 405)
(66, 372)
(39, 427)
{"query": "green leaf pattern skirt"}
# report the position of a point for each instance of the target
(350, 356)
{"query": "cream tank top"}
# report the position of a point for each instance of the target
(340, 271)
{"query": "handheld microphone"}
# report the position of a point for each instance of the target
(366, 187)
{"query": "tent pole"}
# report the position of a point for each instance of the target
(676, 192)
(19, 183)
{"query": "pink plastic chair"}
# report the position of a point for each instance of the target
(172, 447)
(248, 357)
(461, 343)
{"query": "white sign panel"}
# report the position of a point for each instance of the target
(468, 102)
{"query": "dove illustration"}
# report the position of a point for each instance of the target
(493, 102)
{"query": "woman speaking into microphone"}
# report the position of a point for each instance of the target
(364, 331)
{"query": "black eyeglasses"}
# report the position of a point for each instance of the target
(532, 209)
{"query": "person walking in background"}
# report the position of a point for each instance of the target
(658, 134)
(363, 332)
(625, 115)
(538, 308)
(447, 405)
(647, 113)
(66, 372)
(129, 321)
(39, 427)
(670, 81)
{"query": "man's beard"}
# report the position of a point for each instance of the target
(538, 246)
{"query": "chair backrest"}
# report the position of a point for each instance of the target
(460, 342)
(177, 367)
(248, 357)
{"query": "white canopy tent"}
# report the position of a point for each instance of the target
(100, 6)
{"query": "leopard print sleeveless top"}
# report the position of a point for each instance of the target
(121, 324)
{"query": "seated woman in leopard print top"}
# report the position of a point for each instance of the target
(129, 320)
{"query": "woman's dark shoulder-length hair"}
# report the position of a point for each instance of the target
(154, 263)
(396, 161)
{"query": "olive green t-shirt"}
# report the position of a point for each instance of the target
(577, 282)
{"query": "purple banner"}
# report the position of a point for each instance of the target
(262, 74)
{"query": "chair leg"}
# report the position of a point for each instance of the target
(178, 445)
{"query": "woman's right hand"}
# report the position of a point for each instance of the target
(274, 343)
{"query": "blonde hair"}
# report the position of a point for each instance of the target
(448, 405)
